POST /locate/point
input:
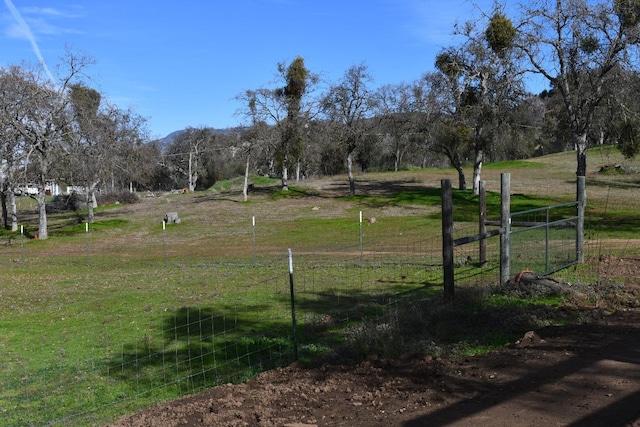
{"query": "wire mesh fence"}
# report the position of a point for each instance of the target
(116, 325)
(544, 240)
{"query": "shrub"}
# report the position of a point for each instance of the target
(112, 198)
(75, 202)
(65, 203)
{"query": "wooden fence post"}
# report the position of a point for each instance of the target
(447, 239)
(582, 203)
(505, 225)
(482, 216)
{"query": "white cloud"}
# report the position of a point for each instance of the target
(16, 31)
(24, 30)
(39, 21)
(432, 22)
(42, 11)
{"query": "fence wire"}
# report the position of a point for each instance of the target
(543, 240)
(96, 350)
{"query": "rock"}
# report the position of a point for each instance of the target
(530, 338)
(172, 218)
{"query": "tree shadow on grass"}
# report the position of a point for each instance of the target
(199, 347)
(628, 222)
(357, 324)
(626, 184)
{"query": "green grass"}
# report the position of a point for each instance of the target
(511, 165)
(618, 223)
(291, 192)
(502, 300)
(95, 325)
(238, 183)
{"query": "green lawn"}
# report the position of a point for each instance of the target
(94, 325)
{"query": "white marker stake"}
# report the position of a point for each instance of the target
(253, 229)
(164, 241)
(361, 242)
(86, 233)
(22, 244)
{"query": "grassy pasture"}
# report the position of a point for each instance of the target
(97, 324)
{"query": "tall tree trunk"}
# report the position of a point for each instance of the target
(285, 175)
(245, 188)
(5, 212)
(41, 197)
(193, 172)
(190, 176)
(581, 148)
(90, 213)
(456, 162)
(92, 202)
(271, 167)
(42, 214)
(396, 162)
(477, 169)
(462, 181)
(352, 184)
(14, 210)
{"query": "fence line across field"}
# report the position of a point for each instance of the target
(282, 302)
(507, 233)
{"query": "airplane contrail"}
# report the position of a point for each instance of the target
(27, 31)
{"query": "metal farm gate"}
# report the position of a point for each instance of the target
(541, 241)
(549, 239)
(545, 240)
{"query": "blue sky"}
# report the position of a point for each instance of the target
(182, 63)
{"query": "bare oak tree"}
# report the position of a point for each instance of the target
(87, 142)
(187, 153)
(286, 109)
(13, 151)
(39, 123)
(349, 105)
(484, 79)
(396, 108)
(292, 142)
(577, 45)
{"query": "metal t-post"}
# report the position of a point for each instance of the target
(293, 307)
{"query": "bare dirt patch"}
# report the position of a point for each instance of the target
(578, 375)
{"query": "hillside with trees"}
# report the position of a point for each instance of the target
(474, 107)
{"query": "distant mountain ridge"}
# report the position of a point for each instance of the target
(168, 140)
